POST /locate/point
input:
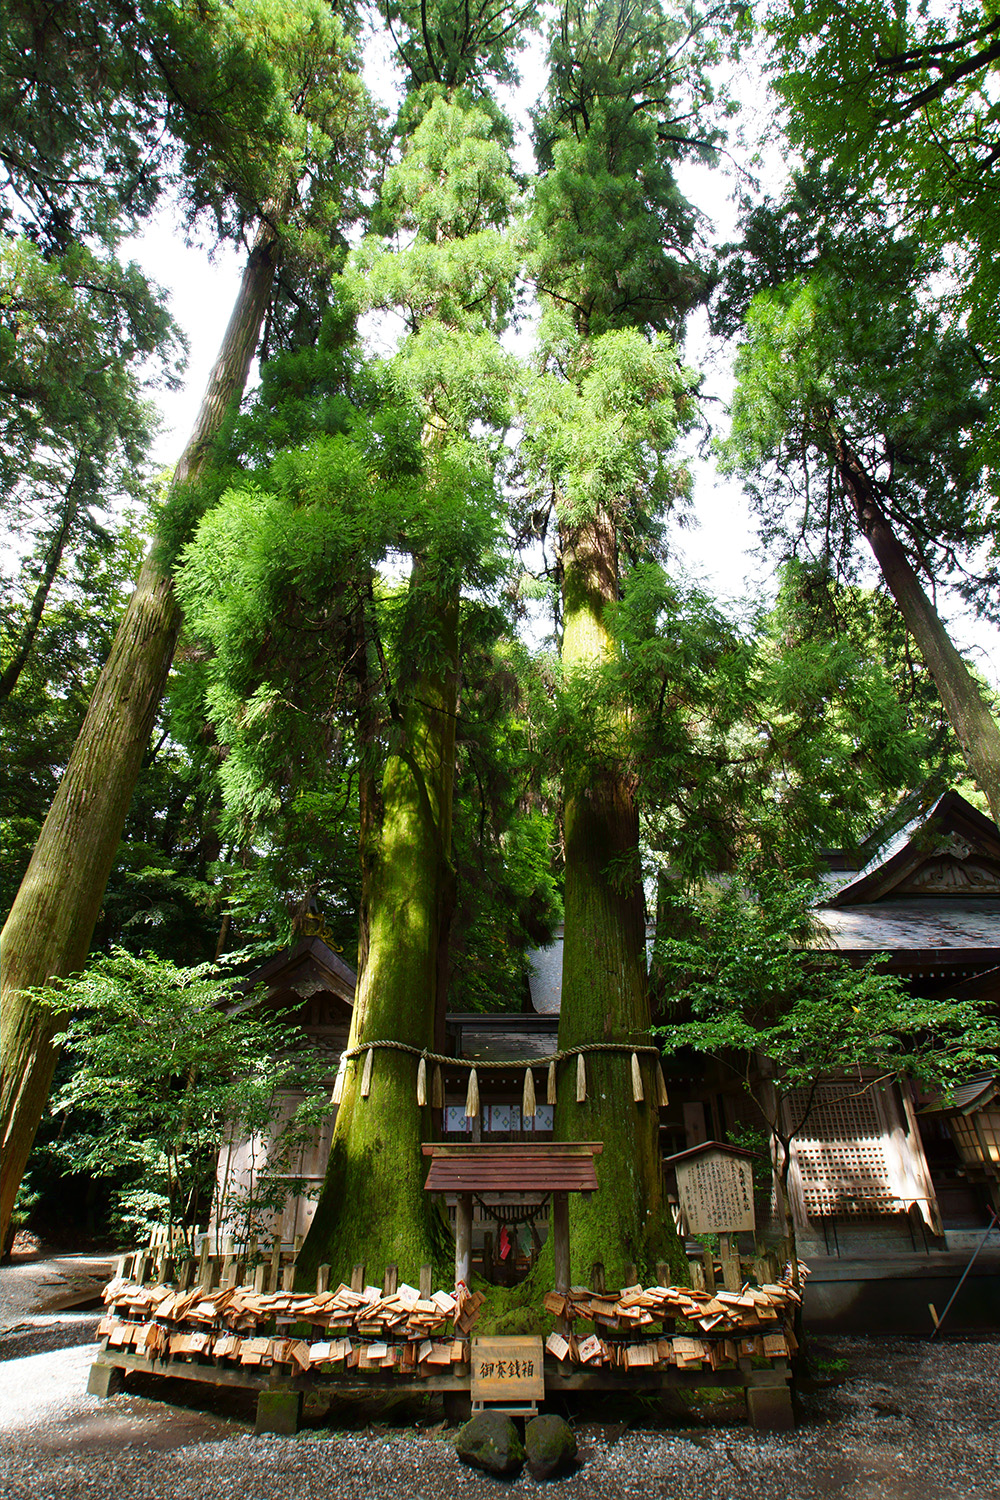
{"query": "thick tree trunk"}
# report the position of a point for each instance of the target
(604, 991)
(48, 931)
(372, 1207)
(977, 730)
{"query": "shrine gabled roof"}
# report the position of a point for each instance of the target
(968, 1097)
(545, 1167)
(705, 1149)
(951, 834)
(311, 965)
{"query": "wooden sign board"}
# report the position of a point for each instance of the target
(507, 1369)
(716, 1193)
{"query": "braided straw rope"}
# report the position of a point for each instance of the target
(507, 1062)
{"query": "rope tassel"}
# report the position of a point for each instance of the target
(437, 1088)
(581, 1079)
(422, 1082)
(550, 1086)
(338, 1082)
(528, 1097)
(366, 1074)
(662, 1097)
(637, 1093)
(472, 1097)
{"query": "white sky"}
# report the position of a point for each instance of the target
(717, 549)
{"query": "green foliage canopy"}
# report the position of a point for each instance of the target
(851, 349)
(902, 97)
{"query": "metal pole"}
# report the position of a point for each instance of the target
(972, 1262)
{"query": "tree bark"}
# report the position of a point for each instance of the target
(975, 726)
(47, 934)
(372, 1206)
(605, 997)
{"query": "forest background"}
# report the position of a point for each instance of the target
(859, 296)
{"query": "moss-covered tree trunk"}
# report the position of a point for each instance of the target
(48, 931)
(976, 728)
(372, 1206)
(605, 997)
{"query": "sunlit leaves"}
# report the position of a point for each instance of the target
(164, 1066)
(754, 981)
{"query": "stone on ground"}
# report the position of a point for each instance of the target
(551, 1445)
(490, 1441)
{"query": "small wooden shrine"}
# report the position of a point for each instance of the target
(556, 1167)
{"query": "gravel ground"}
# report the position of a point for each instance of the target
(912, 1421)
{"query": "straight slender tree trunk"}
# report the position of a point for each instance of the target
(53, 557)
(372, 1206)
(605, 996)
(48, 931)
(977, 730)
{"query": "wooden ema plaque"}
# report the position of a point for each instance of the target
(715, 1188)
(507, 1370)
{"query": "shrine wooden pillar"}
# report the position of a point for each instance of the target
(560, 1240)
(463, 1238)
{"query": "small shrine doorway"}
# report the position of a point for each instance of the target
(550, 1168)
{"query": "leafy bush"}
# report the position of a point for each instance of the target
(169, 1063)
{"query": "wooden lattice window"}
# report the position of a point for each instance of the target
(977, 1136)
(841, 1154)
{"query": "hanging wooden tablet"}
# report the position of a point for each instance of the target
(472, 1097)
(550, 1086)
(581, 1078)
(636, 1079)
(528, 1097)
(338, 1082)
(366, 1073)
(662, 1097)
(422, 1082)
(437, 1088)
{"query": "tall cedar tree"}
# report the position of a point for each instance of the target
(81, 337)
(858, 401)
(49, 929)
(614, 268)
(449, 198)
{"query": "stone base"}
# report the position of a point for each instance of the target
(770, 1408)
(105, 1380)
(279, 1412)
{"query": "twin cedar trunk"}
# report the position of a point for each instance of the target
(372, 1206)
(47, 934)
(605, 996)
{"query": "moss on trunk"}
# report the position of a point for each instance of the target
(605, 996)
(372, 1206)
(48, 931)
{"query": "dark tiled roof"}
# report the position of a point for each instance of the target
(968, 1097)
(918, 839)
(924, 923)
